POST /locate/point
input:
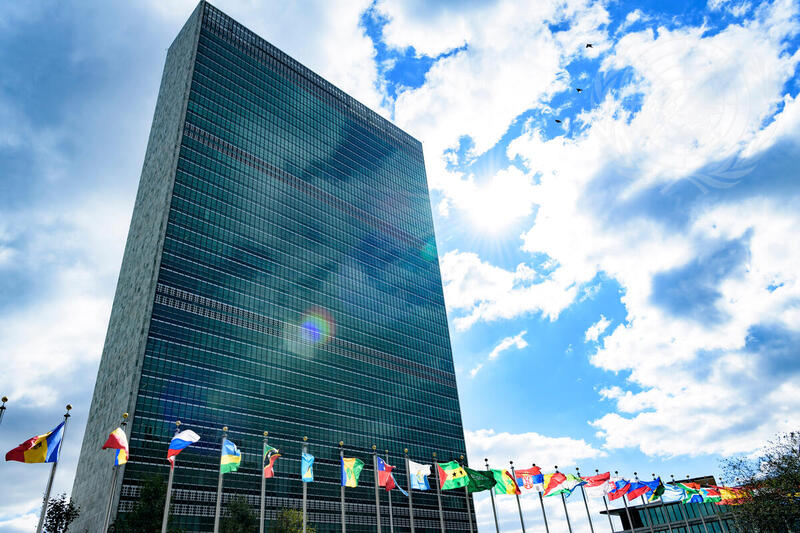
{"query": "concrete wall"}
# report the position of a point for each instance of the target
(120, 366)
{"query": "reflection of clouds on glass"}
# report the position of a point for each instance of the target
(428, 251)
(314, 329)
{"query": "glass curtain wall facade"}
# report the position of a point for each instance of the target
(298, 292)
(677, 518)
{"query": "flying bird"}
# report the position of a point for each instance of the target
(589, 45)
(579, 89)
(558, 121)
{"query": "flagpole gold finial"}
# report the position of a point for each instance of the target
(434, 455)
(125, 416)
(5, 399)
(405, 450)
(178, 423)
(224, 428)
(511, 463)
(386, 451)
(69, 407)
(341, 443)
(266, 433)
(374, 447)
(305, 439)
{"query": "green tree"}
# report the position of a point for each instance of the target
(60, 514)
(240, 519)
(147, 513)
(772, 482)
(290, 521)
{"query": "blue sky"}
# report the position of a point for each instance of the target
(622, 286)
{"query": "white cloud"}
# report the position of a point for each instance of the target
(696, 377)
(526, 448)
(512, 62)
(595, 330)
(482, 291)
(517, 341)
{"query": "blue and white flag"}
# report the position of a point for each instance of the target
(307, 468)
(419, 476)
(672, 493)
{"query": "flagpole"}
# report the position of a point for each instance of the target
(53, 473)
(263, 484)
(219, 482)
(700, 513)
(566, 513)
(305, 484)
(627, 511)
(391, 517)
(169, 485)
(438, 492)
(377, 494)
(341, 489)
(410, 503)
(646, 510)
(114, 469)
(605, 502)
(544, 514)
(3, 408)
(683, 511)
(585, 502)
(466, 493)
(516, 495)
(660, 499)
(491, 494)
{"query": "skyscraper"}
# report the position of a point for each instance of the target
(280, 274)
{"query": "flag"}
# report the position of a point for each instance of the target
(617, 489)
(637, 489)
(559, 483)
(657, 487)
(351, 469)
(307, 468)
(451, 476)
(506, 484)
(530, 478)
(673, 493)
(710, 495)
(732, 495)
(117, 440)
(182, 440)
(396, 484)
(479, 480)
(385, 478)
(691, 492)
(596, 481)
(419, 475)
(39, 449)
(268, 461)
(231, 457)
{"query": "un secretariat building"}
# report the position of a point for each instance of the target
(280, 275)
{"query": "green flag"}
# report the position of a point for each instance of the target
(451, 475)
(479, 480)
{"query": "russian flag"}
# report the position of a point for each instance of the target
(618, 489)
(385, 478)
(182, 440)
(637, 489)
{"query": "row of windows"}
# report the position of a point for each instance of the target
(262, 93)
(249, 44)
(197, 331)
(368, 331)
(311, 215)
(356, 297)
(291, 331)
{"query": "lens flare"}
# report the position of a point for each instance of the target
(314, 329)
